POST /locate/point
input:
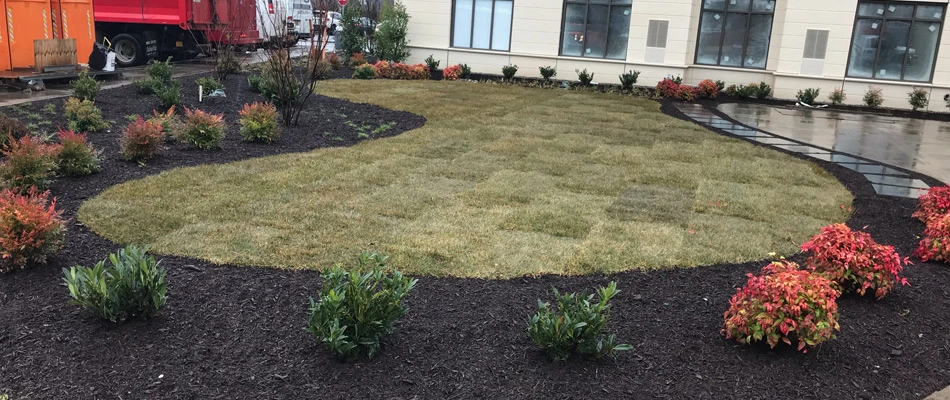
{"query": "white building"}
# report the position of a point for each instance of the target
(790, 44)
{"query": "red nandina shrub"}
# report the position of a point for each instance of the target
(686, 93)
(936, 242)
(934, 203)
(452, 73)
(30, 230)
(783, 304)
(141, 139)
(382, 69)
(357, 59)
(76, 157)
(854, 261)
(667, 88)
(707, 88)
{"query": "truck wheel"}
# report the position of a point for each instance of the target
(128, 50)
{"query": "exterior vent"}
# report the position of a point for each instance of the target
(816, 43)
(656, 33)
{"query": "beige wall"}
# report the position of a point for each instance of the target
(536, 34)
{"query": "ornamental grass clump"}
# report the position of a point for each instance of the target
(854, 261)
(934, 203)
(74, 156)
(935, 246)
(202, 129)
(783, 304)
(141, 139)
(28, 162)
(259, 122)
(356, 310)
(576, 326)
(84, 116)
(133, 287)
(30, 229)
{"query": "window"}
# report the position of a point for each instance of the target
(735, 33)
(895, 41)
(482, 24)
(596, 28)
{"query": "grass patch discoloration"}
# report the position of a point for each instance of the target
(530, 182)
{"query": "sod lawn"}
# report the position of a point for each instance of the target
(501, 182)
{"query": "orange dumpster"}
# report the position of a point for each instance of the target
(72, 19)
(4, 41)
(26, 20)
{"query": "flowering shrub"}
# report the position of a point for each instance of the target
(936, 242)
(707, 88)
(29, 162)
(667, 88)
(783, 304)
(686, 93)
(202, 130)
(452, 73)
(30, 230)
(140, 139)
(934, 203)
(74, 156)
(259, 122)
(854, 261)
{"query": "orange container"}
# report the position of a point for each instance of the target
(27, 20)
(72, 19)
(4, 40)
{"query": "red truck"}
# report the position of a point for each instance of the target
(143, 29)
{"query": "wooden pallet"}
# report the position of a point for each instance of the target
(54, 53)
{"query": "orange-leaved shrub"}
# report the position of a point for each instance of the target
(141, 139)
(259, 122)
(334, 60)
(708, 89)
(452, 73)
(783, 304)
(357, 59)
(934, 203)
(854, 261)
(75, 156)
(30, 229)
(202, 129)
(686, 93)
(936, 242)
(29, 162)
(667, 88)
(402, 71)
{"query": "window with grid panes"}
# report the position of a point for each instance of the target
(735, 33)
(895, 40)
(596, 28)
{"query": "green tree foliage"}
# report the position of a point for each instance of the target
(391, 42)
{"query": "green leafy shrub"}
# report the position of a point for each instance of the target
(390, 39)
(169, 95)
(202, 130)
(84, 116)
(918, 98)
(808, 96)
(133, 287)
(721, 85)
(547, 73)
(854, 261)
(367, 71)
(837, 96)
(576, 326)
(30, 229)
(160, 70)
(628, 79)
(11, 128)
(874, 97)
(762, 90)
(584, 77)
(141, 139)
(782, 304)
(432, 63)
(351, 40)
(509, 72)
(466, 71)
(28, 162)
(86, 87)
(208, 84)
(75, 156)
(256, 82)
(226, 63)
(147, 85)
(320, 70)
(355, 311)
(259, 122)
(747, 91)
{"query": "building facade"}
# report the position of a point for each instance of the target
(789, 44)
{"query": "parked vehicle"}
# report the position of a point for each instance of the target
(301, 12)
(333, 22)
(143, 29)
(275, 26)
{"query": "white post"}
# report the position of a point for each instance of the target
(200, 93)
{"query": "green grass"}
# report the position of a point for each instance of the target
(528, 182)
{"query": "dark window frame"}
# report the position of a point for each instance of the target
(471, 34)
(587, 3)
(722, 37)
(877, 54)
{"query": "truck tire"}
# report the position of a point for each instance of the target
(128, 50)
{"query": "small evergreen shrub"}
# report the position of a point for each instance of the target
(721, 85)
(547, 73)
(628, 79)
(584, 77)
(732, 90)
(466, 71)
(934, 203)
(357, 59)
(30, 229)
(28, 162)
(874, 97)
(169, 95)
(917, 98)
(11, 128)
(509, 72)
(452, 73)
(320, 70)
(762, 90)
(677, 79)
(256, 83)
(367, 71)
(783, 304)
(837, 96)
(208, 84)
(75, 157)
(85, 87)
(355, 311)
(147, 85)
(707, 89)
(808, 96)
(141, 139)
(84, 116)
(576, 326)
(259, 122)
(202, 130)
(133, 287)
(935, 246)
(432, 63)
(335, 62)
(160, 71)
(747, 91)
(854, 261)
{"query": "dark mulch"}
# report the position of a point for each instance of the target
(237, 332)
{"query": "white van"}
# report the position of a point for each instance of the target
(301, 13)
(273, 25)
